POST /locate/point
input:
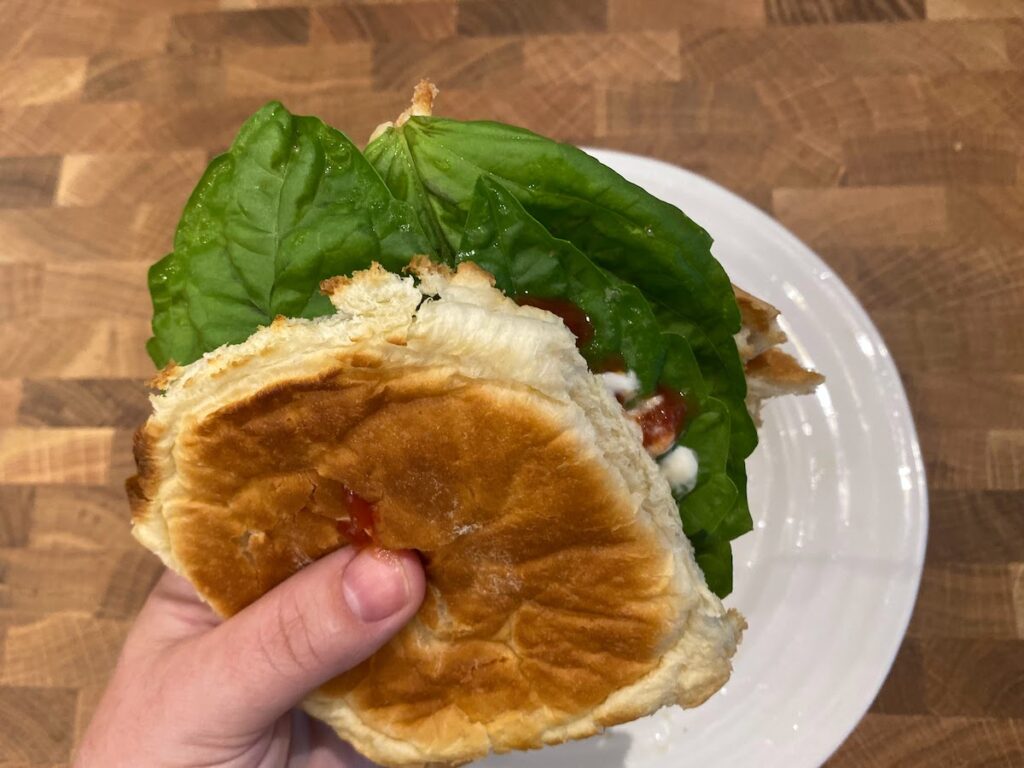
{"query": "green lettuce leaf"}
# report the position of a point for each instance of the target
(434, 163)
(500, 236)
(526, 259)
(392, 159)
(291, 203)
(621, 227)
(644, 240)
(714, 557)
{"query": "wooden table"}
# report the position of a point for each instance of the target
(888, 134)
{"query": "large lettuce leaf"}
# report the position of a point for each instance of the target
(525, 258)
(291, 203)
(434, 163)
(646, 241)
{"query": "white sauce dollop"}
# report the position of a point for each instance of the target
(624, 384)
(679, 466)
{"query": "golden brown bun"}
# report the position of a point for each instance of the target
(562, 594)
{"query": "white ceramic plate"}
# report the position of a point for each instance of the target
(828, 578)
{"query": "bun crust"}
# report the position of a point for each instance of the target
(562, 594)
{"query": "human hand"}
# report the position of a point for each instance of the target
(192, 690)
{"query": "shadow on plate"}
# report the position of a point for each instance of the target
(605, 751)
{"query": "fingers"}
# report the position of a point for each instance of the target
(315, 745)
(223, 685)
(172, 613)
(326, 619)
(326, 750)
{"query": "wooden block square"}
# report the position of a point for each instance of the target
(497, 17)
(28, 181)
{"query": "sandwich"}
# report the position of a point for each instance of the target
(486, 346)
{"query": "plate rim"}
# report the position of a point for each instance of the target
(919, 504)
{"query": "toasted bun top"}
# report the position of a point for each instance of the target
(562, 594)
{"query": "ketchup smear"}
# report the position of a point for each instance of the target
(575, 319)
(612, 364)
(358, 528)
(661, 418)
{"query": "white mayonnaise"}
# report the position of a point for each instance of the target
(679, 466)
(621, 384)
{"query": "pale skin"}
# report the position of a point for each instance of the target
(193, 691)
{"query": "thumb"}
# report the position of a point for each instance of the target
(322, 621)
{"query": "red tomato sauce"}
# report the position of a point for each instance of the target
(359, 527)
(575, 319)
(611, 364)
(661, 418)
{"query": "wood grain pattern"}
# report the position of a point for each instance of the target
(846, 50)
(76, 518)
(82, 403)
(602, 58)
(75, 347)
(750, 163)
(61, 28)
(961, 274)
(466, 62)
(114, 232)
(261, 27)
(88, 180)
(927, 157)
(997, 463)
(41, 79)
(664, 14)
(1017, 578)
(325, 69)
(824, 11)
(39, 725)
(887, 740)
(26, 182)
(904, 689)
(974, 678)
(865, 216)
(976, 526)
(82, 289)
(965, 600)
(487, 17)
(49, 581)
(55, 456)
(825, 106)
(938, 342)
(975, 9)
(994, 397)
(79, 648)
(385, 22)
(17, 503)
(122, 126)
(888, 134)
(121, 76)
